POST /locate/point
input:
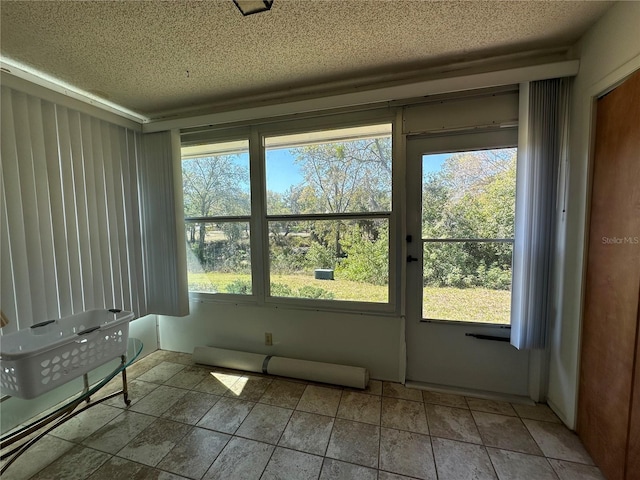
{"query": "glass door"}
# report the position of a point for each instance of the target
(461, 204)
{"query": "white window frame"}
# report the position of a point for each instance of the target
(258, 222)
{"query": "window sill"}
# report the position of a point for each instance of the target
(500, 326)
(333, 306)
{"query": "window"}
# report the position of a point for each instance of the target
(468, 209)
(328, 213)
(315, 228)
(217, 208)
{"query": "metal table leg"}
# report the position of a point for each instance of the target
(61, 416)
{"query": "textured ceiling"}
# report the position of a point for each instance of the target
(153, 57)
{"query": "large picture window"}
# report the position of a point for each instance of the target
(316, 226)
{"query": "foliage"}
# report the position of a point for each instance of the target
(213, 185)
(471, 197)
(353, 176)
(229, 253)
(239, 287)
(347, 176)
(243, 287)
(287, 259)
(367, 259)
(281, 290)
(320, 256)
(309, 291)
(216, 185)
(305, 291)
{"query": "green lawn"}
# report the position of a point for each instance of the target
(471, 304)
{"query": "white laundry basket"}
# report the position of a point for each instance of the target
(38, 359)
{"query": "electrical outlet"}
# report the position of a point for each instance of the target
(268, 339)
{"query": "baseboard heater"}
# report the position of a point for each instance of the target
(345, 375)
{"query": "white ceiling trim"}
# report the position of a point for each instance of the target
(32, 76)
(434, 86)
(21, 77)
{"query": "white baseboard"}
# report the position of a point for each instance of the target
(467, 392)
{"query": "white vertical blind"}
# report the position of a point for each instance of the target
(542, 149)
(163, 225)
(71, 235)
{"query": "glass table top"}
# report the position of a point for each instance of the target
(16, 411)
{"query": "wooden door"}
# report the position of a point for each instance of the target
(610, 322)
(633, 449)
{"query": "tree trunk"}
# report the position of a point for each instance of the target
(201, 243)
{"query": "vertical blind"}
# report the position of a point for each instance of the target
(162, 213)
(541, 151)
(71, 231)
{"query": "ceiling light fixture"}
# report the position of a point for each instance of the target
(249, 7)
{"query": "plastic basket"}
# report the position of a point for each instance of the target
(48, 354)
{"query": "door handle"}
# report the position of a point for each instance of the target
(411, 259)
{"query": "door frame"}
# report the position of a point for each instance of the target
(498, 367)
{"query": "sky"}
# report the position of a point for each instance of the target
(282, 172)
(433, 163)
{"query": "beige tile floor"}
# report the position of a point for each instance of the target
(194, 422)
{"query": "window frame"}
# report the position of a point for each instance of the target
(259, 219)
(454, 142)
(224, 138)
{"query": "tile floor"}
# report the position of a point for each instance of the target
(195, 422)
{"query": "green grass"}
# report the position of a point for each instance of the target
(468, 304)
(214, 282)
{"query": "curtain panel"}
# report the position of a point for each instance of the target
(163, 234)
(542, 149)
(72, 195)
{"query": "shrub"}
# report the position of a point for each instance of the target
(367, 260)
(306, 291)
(281, 290)
(240, 287)
(286, 260)
(309, 291)
(319, 256)
(495, 277)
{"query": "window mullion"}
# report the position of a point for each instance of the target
(258, 223)
(397, 221)
(327, 216)
(219, 219)
(467, 240)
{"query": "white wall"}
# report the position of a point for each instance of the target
(369, 341)
(145, 330)
(608, 51)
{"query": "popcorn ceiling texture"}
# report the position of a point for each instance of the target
(137, 53)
